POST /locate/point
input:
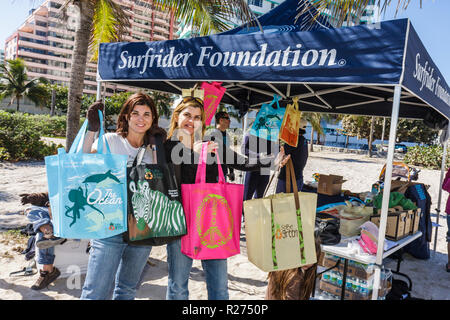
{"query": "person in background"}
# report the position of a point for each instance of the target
(221, 137)
(39, 215)
(299, 156)
(446, 187)
(255, 181)
(114, 266)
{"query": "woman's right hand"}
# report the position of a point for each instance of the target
(92, 115)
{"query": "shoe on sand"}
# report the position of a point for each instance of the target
(48, 243)
(45, 278)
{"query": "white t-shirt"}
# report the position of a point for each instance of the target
(120, 145)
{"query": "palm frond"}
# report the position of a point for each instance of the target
(110, 24)
(207, 16)
(346, 10)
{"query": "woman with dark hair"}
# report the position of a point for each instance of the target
(115, 266)
(293, 284)
(183, 146)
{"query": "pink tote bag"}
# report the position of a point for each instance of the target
(213, 94)
(213, 215)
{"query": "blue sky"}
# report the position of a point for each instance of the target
(432, 23)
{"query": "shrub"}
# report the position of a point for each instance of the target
(50, 126)
(425, 156)
(20, 138)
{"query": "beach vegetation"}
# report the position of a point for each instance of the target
(429, 157)
(20, 138)
(407, 130)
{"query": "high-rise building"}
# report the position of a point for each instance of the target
(370, 15)
(258, 7)
(45, 40)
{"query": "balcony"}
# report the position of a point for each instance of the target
(27, 27)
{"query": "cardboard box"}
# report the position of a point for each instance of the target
(400, 223)
(416, 214)
(352, 271)
(330, 184)
(396, 226)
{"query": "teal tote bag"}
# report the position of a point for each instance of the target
(268, 121)
(88, 192)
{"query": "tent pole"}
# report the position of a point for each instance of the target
(438, 209)
(99, 90)
(245, 125)
(386, 190)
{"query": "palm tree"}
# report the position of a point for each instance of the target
(347, 10)
(314, 118)
(14, 83)
(105, 21)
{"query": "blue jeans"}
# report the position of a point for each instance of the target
(114, 267)
(180, 267)
(255, 183)
(281, 186)
(39, 216)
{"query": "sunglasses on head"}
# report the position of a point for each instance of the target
(190, 98)
(226, 118)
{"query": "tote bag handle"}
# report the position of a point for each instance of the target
(160, 152)
(276, 98)
(290, 175)
(77, 145)
(295, 103)
(201, 168)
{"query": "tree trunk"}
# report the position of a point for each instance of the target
(52, 104)
(311, 148)
(371, 136)
(78, 68)
(17, 103)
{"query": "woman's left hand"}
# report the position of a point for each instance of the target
(282, 158)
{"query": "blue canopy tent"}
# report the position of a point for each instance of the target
(373, 70)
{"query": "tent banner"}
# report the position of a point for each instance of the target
(344, 55)
(422, 76)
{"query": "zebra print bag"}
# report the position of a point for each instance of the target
(155, 212)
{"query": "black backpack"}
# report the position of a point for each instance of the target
(327, 228)
(400, 291)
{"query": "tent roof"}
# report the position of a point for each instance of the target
(350, 70)
(282, 19)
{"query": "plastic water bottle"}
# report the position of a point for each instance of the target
(326, 276)
(333, 277)
(349, 284)
(364, 289)
(339, 279)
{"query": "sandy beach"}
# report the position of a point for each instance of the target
(430, 281)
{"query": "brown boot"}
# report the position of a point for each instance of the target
(45, 279)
